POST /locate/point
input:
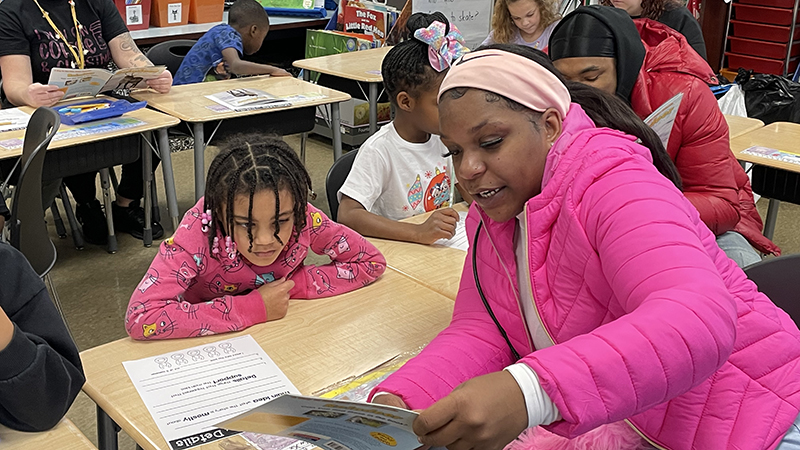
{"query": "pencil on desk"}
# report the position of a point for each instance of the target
(452, 184)
(3, 124)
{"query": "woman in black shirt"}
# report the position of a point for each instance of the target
(671, 13)
(31, 45)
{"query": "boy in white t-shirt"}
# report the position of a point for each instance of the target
(402, 170)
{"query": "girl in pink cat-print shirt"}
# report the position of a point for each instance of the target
(237, 257)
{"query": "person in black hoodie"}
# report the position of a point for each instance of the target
(40, 370)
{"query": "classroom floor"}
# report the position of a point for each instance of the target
(95, 286)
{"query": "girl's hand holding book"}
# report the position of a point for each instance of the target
(276, 297)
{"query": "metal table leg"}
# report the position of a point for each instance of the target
(304, 135)
(147, 176)
(373, 108)
(105, 183)
(336, 131)
(772, 218)
(107, 431)
(199, 161)
(169, 176)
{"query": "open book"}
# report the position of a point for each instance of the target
(247, 99)
(90, 82)
(663, 118)
(331, 424)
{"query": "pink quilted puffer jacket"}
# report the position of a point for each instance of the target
(651, 321)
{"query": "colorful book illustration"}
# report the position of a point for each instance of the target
(330, 424)
(771, 153)
(90, 82)
(247, 99)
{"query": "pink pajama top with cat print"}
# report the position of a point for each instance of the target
(187, 291)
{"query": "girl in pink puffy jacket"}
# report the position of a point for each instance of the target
(238, 255)
(595, 308)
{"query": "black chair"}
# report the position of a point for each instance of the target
(779, 279)
(170, 53)
(28, 231)
(335, 179)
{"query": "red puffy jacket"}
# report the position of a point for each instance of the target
(699, 144)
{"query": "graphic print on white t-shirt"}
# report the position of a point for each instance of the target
(434, 196)
(397, 179)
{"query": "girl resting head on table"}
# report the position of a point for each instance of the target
(238, 254)
(592, 292)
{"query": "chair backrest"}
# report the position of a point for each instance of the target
(335, 179)
(779, 279)
(28, 229)
(170, 53)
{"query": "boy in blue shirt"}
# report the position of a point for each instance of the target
(218, 53)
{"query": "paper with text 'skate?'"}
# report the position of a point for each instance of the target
(189, 391)
(331, 424)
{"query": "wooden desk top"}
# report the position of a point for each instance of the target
(779, 136)
(317, 344)
(188, 102)
(438, 268)
(363, 65)
(153, 120)
(738, 126)
(65, 436)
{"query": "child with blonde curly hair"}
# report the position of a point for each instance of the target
(523, 22)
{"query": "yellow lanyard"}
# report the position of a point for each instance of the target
(79, 54)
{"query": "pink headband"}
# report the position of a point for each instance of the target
(514, 77)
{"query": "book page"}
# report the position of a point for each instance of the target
(189, 391)
(132, 78)
(662, 119)
(79, 82)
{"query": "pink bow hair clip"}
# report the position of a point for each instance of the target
(443, 48)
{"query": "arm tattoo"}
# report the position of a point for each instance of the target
(131, 55)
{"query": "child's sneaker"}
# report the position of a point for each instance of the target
(93, 222)
(131, 220)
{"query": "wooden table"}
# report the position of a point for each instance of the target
(154, 35)
(65, 436)
(436, 267)
(362, 66)
(152, 121)
(188, 103)
(317, 344)
(779, 136)
(738, 126)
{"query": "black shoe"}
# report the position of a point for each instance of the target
(93, 222)
(131, 220)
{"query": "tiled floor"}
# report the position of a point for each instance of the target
(95, 286)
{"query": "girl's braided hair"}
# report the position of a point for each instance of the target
(250, 163)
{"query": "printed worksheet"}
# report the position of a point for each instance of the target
(13, 119)
(459, 240)
(189, 391)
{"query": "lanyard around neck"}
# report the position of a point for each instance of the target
(78, 53)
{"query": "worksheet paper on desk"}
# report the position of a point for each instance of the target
(189, 391)
(459, 240)
(13, 119)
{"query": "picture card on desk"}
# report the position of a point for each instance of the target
(247, 99)
(90, 82)
(771, 153)
(331, 424)
(189, 391)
